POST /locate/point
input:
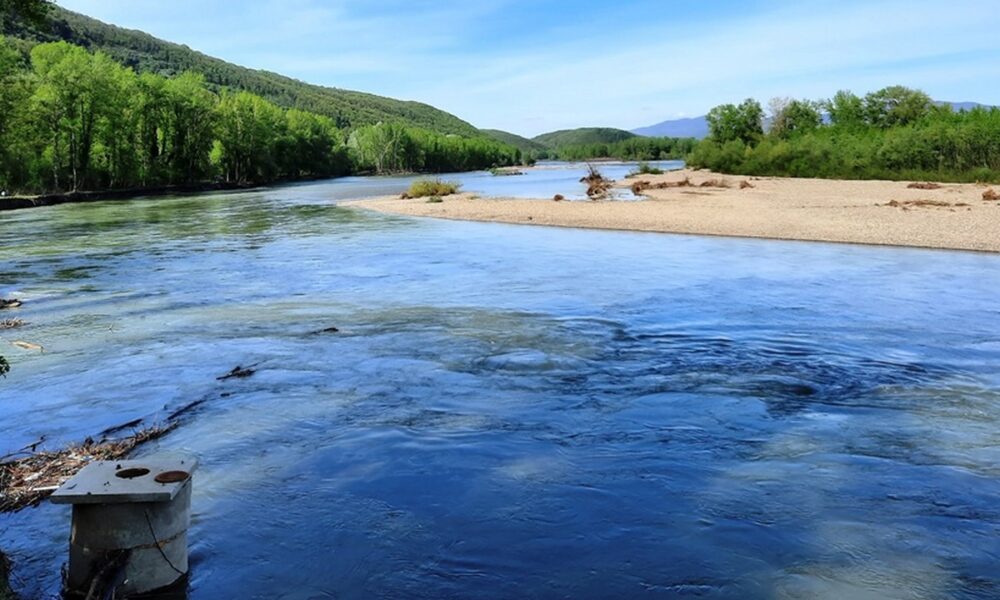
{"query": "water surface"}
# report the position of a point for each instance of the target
(516, 412)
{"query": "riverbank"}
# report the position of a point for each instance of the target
(949, 216)
(22, 202)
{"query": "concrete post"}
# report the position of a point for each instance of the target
(135, 511)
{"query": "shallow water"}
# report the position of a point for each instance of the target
(516, 412)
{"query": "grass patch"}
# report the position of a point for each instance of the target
(424, 188)
(435, 200)
(645, 168)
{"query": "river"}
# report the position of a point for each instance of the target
(516, 411)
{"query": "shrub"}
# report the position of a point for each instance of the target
(434, 200)
(423, 188)
(645, 168)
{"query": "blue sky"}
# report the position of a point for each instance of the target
(531, 66)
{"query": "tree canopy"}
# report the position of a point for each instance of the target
(71, 119)
(893, 133)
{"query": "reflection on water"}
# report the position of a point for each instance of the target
(514, 412)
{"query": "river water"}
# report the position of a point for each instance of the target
(515, 411)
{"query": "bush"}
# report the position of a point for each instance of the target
(422, 188)
(434, 200)
(645, 168)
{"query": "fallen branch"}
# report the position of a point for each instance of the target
(238, 372)
(27, 481)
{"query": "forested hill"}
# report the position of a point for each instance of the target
(522, 143)
(146, 53)
(586, 135)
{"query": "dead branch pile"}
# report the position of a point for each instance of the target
(597, 185)
(906, 204)
(641, 186)
(924, 186)
(714, 183)
(27, 481)
(990, 195)
(11, 323)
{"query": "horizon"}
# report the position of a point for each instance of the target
(501, 50)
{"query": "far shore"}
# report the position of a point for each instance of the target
(889, 213)
(22, 202)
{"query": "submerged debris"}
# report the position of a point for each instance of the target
(27, 481)
(11, 323)
(238, 372)
(924, 186)
(28, 346)
(12, 303)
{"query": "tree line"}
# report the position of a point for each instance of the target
(894, 133)
(633, 149)
(73, 120)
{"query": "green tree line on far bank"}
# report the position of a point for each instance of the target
(73, 120)
(895, 133)
(635, 149)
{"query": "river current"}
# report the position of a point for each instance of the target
(512, 411)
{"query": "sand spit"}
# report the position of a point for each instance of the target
(952, 216)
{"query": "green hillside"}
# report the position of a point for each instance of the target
(146, 53)
(584, 136)
(521, 143)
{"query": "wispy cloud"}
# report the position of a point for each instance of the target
(533, 66)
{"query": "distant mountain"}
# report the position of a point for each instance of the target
(696, 127)
(960, 106)
(522, 143)
(586, 135)
(144, 52)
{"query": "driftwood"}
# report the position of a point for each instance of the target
(27, 481)
(924, 186)
(11, 323)
(238, 372)
(991, 195)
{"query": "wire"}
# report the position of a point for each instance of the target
(157, 543)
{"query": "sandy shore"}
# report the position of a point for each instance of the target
(955, 216)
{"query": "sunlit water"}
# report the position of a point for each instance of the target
(516, 412)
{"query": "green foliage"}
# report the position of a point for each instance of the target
(73, 120)
(396, 148)
(896, 106)
(729, 122)
(423, 188)
(645, 168)
(891, 134)
(795, 116)
(33, 12)
(635, 148)
(583, 136)
(147, 54)
(846, 110)
(523, 144)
